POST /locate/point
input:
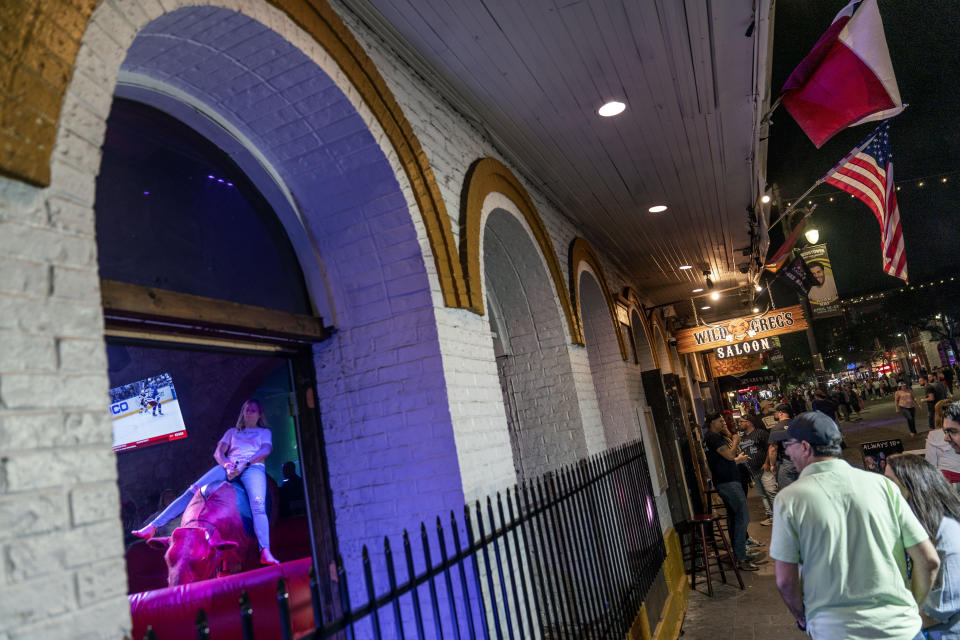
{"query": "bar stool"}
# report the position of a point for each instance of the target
(698, 526)
(715, 503)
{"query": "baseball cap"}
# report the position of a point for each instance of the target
(812, 426)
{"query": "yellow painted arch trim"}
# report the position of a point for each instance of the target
(28, 158)
(484, 177)
(630, 294)
(317, 18)
(661, 334)
(581, 251)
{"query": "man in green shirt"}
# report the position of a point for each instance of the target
(840, 540)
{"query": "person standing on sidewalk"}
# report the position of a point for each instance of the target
(722, 458)
(906, 404)
(933, 392)
(951, 425)
(948, 378)
(778, 464)
(852, 531)
(824, 404)
(938, 451)
(754, 443)
(937, 506)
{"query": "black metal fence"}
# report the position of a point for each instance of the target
(570, 555)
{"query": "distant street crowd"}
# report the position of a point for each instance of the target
(842, 537)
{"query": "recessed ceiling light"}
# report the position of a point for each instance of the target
(697, 290)
(765, 199)
(756, 310)
(612, 108)
(704, 308)
(714, 296)
(684, 267)
(657, 208)
(758, 287)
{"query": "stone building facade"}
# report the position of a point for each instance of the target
(475, 332)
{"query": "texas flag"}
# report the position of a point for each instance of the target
(847, 78)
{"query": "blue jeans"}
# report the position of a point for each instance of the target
(737, 516)
(786, 473)
(254, 481)
(909, 414)
(762, 490)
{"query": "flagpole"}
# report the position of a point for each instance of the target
(824, 177)
(794, 206)
(765, 118)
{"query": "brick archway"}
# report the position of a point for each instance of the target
(581, 253)
(47, 95)
(484, 177)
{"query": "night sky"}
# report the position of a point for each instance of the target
(924, 44)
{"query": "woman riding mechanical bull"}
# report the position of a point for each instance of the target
(239, 453)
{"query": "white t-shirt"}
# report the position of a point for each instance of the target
(242, 444)
(939, 452)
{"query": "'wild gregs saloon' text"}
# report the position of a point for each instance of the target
(742, 348)
(741, 336)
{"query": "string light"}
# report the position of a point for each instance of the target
(884, 294)
(919, 182)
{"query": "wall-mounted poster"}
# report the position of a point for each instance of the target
(824, 299)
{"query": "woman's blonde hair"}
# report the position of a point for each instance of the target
(261, 419)
(938, 413)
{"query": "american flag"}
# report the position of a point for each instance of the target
(867, 173)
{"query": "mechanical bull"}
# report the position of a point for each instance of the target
(215, 536)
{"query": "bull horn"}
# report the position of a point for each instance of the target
(160, 543)
(217, 542)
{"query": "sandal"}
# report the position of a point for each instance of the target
(146, 532)
(266, 558)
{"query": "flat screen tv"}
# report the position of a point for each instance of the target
(146, 412)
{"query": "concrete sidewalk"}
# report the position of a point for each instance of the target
(757, 612)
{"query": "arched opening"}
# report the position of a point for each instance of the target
(543, 413)
(663, 353)
(179, 224)
(351, 245)
(644, 354)
(607, 368)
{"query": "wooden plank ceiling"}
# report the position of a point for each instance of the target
(532, 74)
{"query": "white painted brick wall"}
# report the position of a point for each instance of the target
(452, 144)
(59, 533)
